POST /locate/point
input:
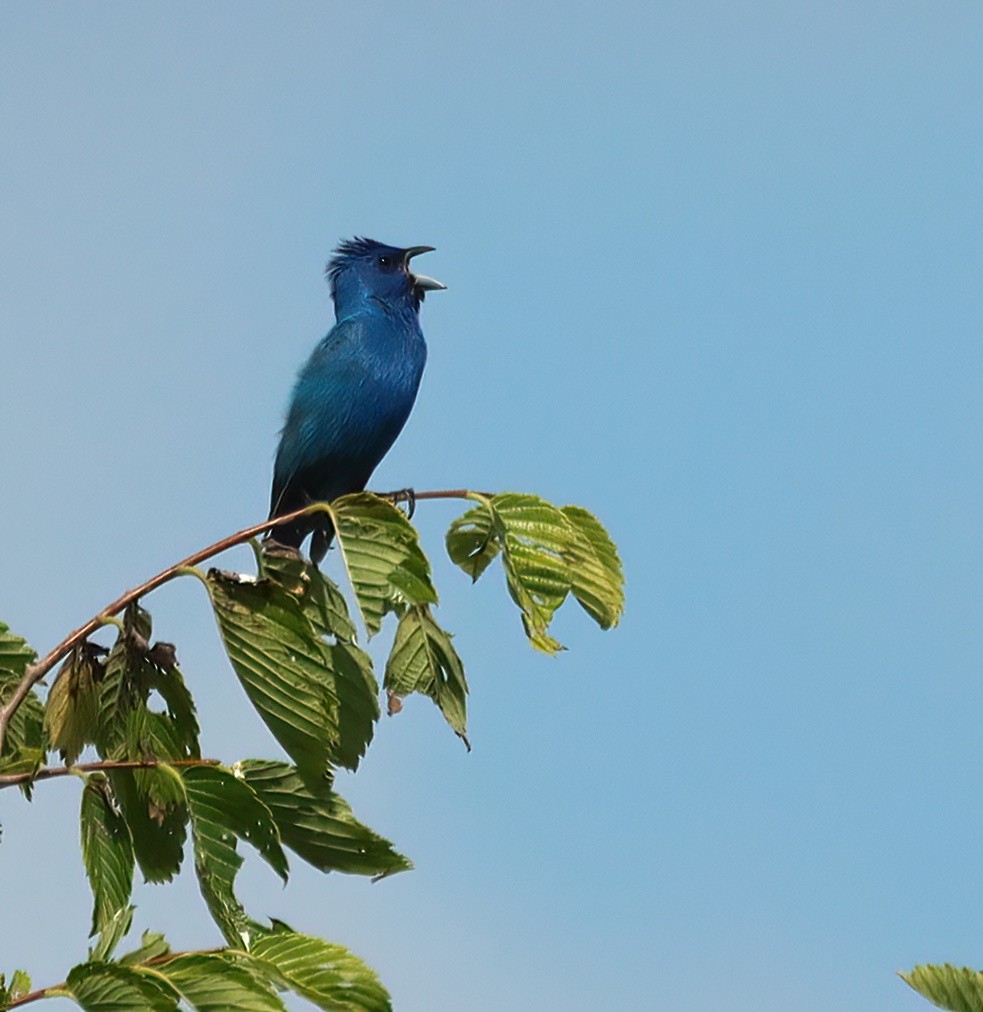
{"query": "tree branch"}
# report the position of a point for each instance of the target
(35, 672)
(50, 772)
(61, 990)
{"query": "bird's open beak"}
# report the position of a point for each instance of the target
(421, 281)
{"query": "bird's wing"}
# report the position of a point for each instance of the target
(313, 435)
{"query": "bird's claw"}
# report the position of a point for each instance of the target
(406, 495)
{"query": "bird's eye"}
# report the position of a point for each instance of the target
(385, 261)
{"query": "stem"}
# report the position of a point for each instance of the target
(61, 990)
(50, 772)
(44, 992)
(35, 672)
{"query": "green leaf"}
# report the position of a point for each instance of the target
(280, 662)
(15, 655)
(111, 934)
(424, 660)
(325, 605)
(534, 535)
(158, 831)
(318, 824)
(224, 807)
(328, 975)
(72, 709)
(318, 699)
(212, 982)
(385, 564)
(471, 541)
(352, 700)
(597, 579)
(952, 987)
(132, 671)
(351, 691)
(20, 985)
(547, 553)
(319, 597)
(152, 946)
(107, 852)
(25, 745)
(109, 987)
(170, 685)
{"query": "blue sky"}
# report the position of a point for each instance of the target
(713, 272)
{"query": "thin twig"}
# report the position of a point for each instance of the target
(44, 992)
(49, 772)
(35, 672)
(57, 990)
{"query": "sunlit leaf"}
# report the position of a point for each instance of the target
(153, 945)
(280, 661)
(213, 982)
(328, 975)
(596, 576)
(386, 566)
(113, 931)
(318, 824)
(319, 699)
(546, 553)
(423, 659)
(471, 541)
(958, 988)
(15, 655)
(72, 707)
(110, 987)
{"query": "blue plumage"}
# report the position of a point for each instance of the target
(353, 396)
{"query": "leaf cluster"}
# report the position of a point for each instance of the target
(294, 647)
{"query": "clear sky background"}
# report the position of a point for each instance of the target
(713, 272)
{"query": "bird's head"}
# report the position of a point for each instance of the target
(363, 270)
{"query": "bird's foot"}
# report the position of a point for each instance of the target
(406, 495)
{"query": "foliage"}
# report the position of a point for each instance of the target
(953, 987)
(293, 645)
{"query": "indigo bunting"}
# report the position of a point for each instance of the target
(352, 398)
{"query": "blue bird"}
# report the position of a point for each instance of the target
(352, 398)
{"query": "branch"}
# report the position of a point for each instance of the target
(35, 672)
(61, 990)
(49, 772)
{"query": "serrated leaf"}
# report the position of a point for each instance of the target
(546, 553)
(111, 934)
(958, 988)
(170, 685)
(328, 975)
(131, 672)
(534, 536)
(152, 946)
(158, 832)
(385, 564)
(423, 659)
(318, 699)
(110, 987)
(224, 808)
(318, 824)
(596, 575)
(280, 661)
(20, 984)
(211, 982)
(471, 541)
(107, 852)
(320, 598)
(15, 655)
(72, 708)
